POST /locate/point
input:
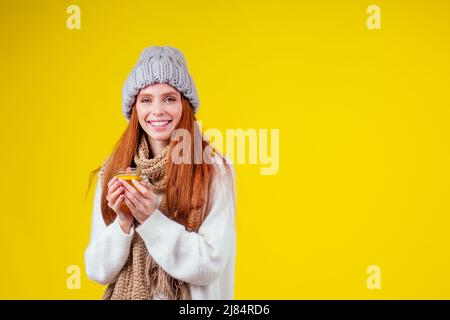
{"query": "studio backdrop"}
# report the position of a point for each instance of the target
(336, 115)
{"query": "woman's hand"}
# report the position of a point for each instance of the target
(116, 199)
(141, 202)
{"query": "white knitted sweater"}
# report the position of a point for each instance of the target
(205, 260)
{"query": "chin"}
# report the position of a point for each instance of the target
(160, 136)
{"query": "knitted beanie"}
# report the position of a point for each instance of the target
(159, 64)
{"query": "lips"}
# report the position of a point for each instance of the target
(159, 123)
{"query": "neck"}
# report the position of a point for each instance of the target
(156, 145)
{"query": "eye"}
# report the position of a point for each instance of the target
(173, 99)
(145, 100)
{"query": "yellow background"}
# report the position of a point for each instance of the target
(364, 137)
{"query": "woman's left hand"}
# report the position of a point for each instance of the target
(141, 203)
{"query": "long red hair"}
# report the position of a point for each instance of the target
(188, 184)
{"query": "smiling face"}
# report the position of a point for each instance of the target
(159, 110)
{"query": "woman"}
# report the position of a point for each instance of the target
(173, 235)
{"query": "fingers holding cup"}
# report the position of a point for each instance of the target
(143, 187)
(132, 194)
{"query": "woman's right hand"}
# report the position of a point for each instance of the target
(116, 202)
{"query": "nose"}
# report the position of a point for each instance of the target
(157, 110)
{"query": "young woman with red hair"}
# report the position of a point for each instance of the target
(172, 235)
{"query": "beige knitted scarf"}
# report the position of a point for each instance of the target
(141, 278)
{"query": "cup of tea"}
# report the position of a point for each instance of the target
(127, 176)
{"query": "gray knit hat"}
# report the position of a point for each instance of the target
(159, 64)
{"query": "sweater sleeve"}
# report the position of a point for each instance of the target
(196, 258)
(108, 247)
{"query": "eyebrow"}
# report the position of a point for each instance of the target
(163, 95)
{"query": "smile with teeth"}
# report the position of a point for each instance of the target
(159, 123)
